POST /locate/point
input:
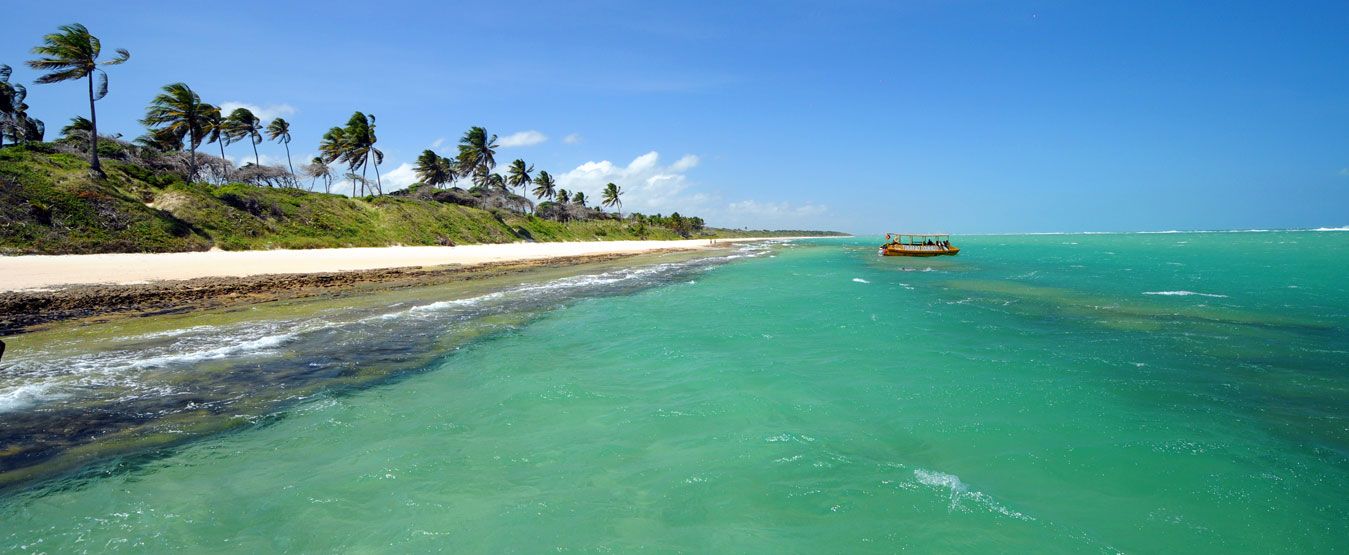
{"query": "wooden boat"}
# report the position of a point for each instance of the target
(918, 244)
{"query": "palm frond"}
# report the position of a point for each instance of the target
(101, 90)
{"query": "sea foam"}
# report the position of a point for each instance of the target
(1184, 294)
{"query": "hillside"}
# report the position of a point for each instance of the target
(50, 205)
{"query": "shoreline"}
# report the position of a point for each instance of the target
(172, 283)
(35, 273)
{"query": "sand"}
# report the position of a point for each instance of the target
(47, 272)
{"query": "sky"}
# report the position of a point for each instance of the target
(866, 117)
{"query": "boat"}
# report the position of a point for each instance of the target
(918, 244)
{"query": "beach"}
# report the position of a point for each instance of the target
(37, 290)
(47, 271)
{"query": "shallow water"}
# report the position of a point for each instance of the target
(1055, 393)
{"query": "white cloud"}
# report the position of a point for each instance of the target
(774, 209)
(523, 138)
(398, 178)
(436, 143)
(572, 139)
(265, 113)
(684, 164)
(769, 215)
(647, 186)
(239, 160)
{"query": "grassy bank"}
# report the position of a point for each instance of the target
(50, 205)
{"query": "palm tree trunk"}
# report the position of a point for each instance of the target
(255, 154)
(94, 166)
(363, 169)
(288, 162)
(379, 186)
(224, 159)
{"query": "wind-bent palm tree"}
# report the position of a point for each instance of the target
(517, 175)
(318, 169)
(477, 154)
(217, 131)
(579, 198)
(563, 197)
(72, 53)
(545, 186)
(434, 170)
(279, 131)
(14, 120)
(375, 153)
(78, 127)
(495, 182)
(610, 198)
(334, 147)
(177, 113)
(242, 124)
(355, 145)
(11, 96)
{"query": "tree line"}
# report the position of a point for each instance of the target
(178, 120)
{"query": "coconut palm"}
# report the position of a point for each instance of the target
(11, 96)
(14, 120)
(563, 196)
(544, 186)
(477, 154)
(334, 148)
(318, 169)
(354, 145)
(217, 131)
(434, 170)
(72, 53)
(279, 131)
(495, 182)
(243, 124)
(78, 127)
(178, 113)
(579, 198)
(611, 198)
(517, 175)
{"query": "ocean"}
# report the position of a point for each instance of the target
(1075, 393)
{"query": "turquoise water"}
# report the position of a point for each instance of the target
(1048, 394)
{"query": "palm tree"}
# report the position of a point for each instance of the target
(477, 154)
(355, 145)
(79, 126)
(279, 131)
(334, 147)
(434, 170)
(177, 113)
(544, 186)
(579, 198)
(242, 124)
(72, 53)
(518, 174)
(376, 153)
(217, 131)
(11, 96)
(610, 198)
(563, 197)
(319, 169)
(496, 183)
(14, 120)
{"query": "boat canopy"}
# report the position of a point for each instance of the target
(916, 238)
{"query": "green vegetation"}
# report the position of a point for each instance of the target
(50, 205)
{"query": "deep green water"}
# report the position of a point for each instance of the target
(1140, 393)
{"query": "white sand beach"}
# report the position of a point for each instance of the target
(44, 272)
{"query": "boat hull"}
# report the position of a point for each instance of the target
(886, 251)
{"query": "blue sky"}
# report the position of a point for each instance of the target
(946, 116)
